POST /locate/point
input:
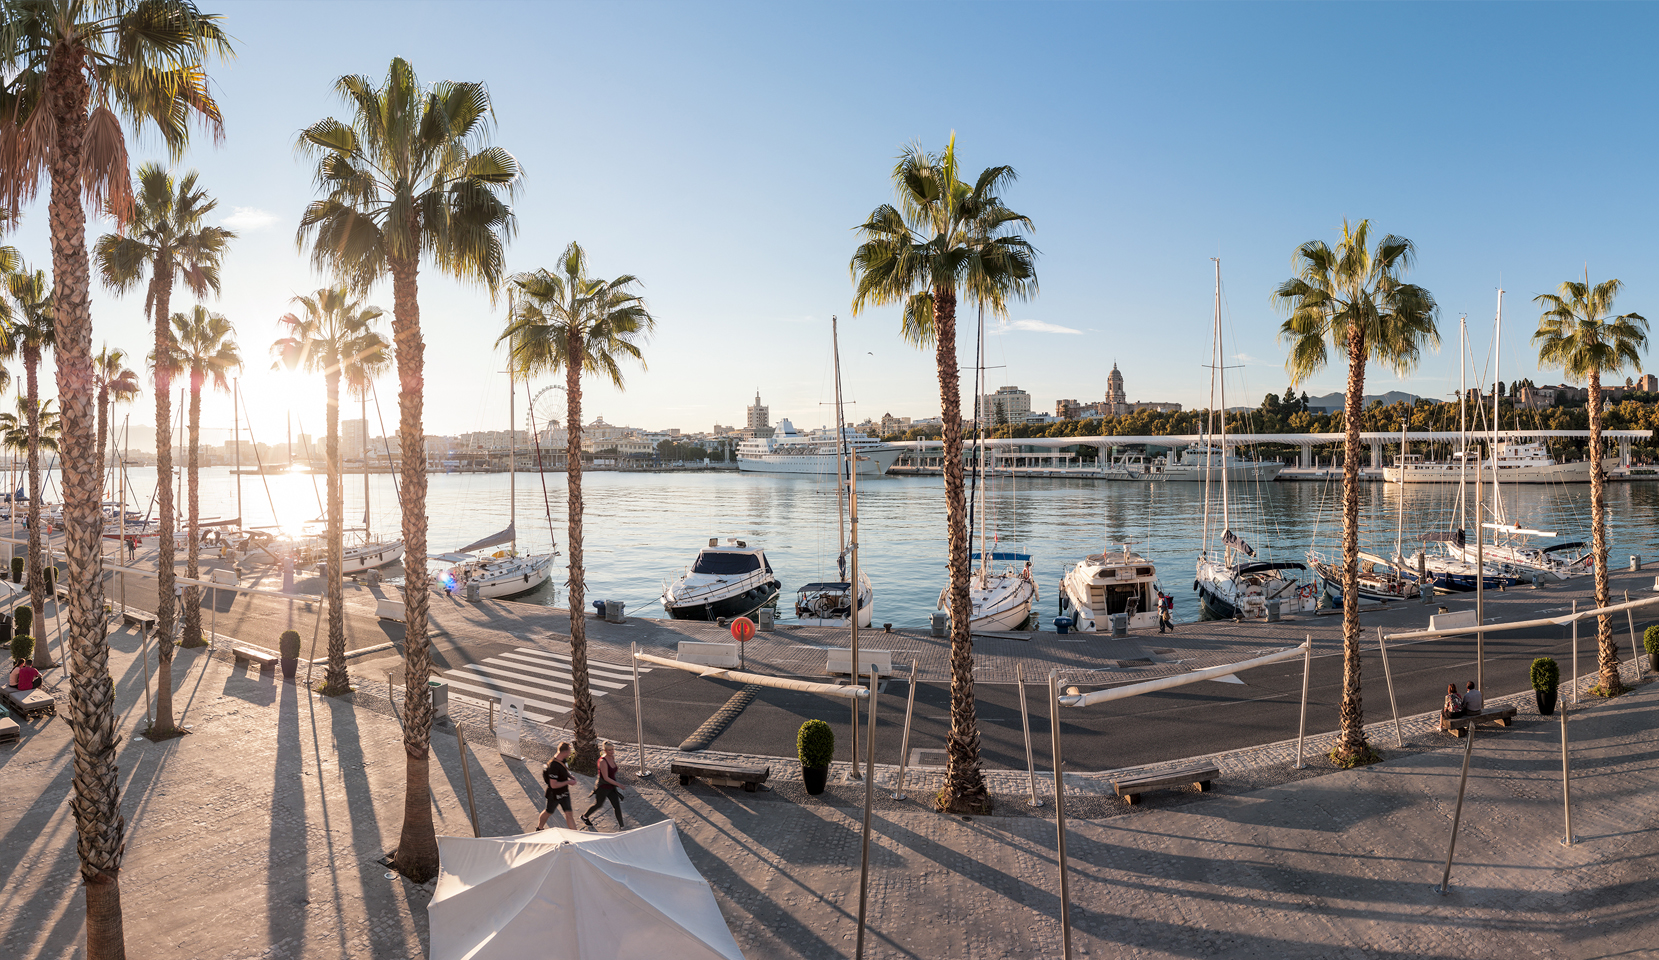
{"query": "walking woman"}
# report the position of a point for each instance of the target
(606, 788)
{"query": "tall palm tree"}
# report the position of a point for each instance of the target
(74, 69)
(166, 240)
(202, 348)
(409, 173)
(31, 333)
(116, 383)
(1351, 298)
(1579, 333)
(14, 427)
(564, 320)
(335, 338)
(947, 234)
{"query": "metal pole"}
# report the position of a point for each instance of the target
(639, 718)
(1025, 723)
(492, 714)
(869, 800)
(1635, 648)
(904, 744)
(144, 654)
(461, 745)
(1059, 813)
(1457, 814)
(1566, 784)
(1575, 655)
(1480, 571)
(1307, 670)
(1388, 676)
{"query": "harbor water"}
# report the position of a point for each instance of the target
(644, 528)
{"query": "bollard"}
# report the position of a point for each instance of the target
(941, 619)
(1635, 564)
(1272, 611)
(1120, 625)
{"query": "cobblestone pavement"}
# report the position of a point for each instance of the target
(256, 836)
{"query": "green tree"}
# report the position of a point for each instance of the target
(30, 331)
(14, 427)
(1579, 333)
(410, 174)
(163, 242)
(562, 319)
(946, 234)
(116, 383)
(201, 348)
(1351, 298)
(73, 69)
(335, 337)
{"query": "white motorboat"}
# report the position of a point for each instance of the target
(829, 604)
(731, 581)
(815, 453)
(1106, 584)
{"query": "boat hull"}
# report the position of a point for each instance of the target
(1577, 472)
(1194, 473)
(732, 605)
(871, 463)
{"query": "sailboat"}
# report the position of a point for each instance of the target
(1000, 600)
(1237, 585)
(503, 574)
(365, 552)
(1379, 580)
(830, 604)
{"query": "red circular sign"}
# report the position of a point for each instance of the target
(743, 629)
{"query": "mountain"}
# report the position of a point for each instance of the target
(1333, 402)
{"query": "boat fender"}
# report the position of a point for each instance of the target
(1195, 584)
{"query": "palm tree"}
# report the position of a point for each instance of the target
(1352, 299)
(1578, 333)
(166, 239)
(335, 338)
(947, 233)
(116, 383)
(563, 320)
(409, 172)
(201, 347)
(31, 334)
(14, 428)
(73, 69)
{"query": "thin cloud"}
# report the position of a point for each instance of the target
(249, 218)
(1031, 326)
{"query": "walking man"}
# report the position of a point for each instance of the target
(1166, 612)
(559, 781)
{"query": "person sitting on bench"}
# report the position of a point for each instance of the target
(1453, 707)
(25, 676)
(1473, 702)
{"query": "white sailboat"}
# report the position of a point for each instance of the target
(1001, 600)
(366, 552)
(1236, 585)
(503, 574)
(830, 604)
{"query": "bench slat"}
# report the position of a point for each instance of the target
(1198, 776)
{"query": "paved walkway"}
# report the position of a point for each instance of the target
(257, 836)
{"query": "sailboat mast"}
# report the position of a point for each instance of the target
(840, 442)
(1462, 419)
(979, 437)
(512, 456)
(1497, 383)
(1221, 382)
(363, 398)
(236, 419)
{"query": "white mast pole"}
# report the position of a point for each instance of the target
(1497, 381)
(363, 456)
(512, 458)
(979, 436)
(1462, 419)
(1221, 381)
(840, 462)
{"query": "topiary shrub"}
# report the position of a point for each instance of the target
(289, 646)
(1650, 640)
(1546, 675)
(23, 647)
(816, 744)
(17, 569)
(25, 619)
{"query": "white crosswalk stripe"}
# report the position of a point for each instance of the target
(540, 677)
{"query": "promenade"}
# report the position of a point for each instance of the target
(258, 834)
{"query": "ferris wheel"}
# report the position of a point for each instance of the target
(547, 410)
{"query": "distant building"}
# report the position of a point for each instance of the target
(354, 436)
(760, 419)
(1647, 383)
(891, 424)
(1010, 404)
(1117, 401)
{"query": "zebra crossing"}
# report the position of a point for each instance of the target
(540, 677)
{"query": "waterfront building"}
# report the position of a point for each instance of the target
(759, 420)
(1117, 401)
(1010, 404)
(354, 435)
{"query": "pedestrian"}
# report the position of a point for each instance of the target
(132, 548)
(1166, 612)
(1473, 702)
(1453, 707)
(559, 781)
(606, 788)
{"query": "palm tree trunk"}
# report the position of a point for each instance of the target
(193, 544)
(1607, 649)
(417, 851)
(964, 790)
(97, 802)
(336, 680)
(1351, 747)
(161, 298)
(586, 759)
(37, 568)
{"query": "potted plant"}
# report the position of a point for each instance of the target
(17, 569)
(1546, 676)
(25, 619)
(1650, 640)
(23, 647)
(288, 648)
(816, 745)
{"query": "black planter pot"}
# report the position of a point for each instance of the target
(1546, 701)
(289, 665)
(1653, 662)
(816, 778)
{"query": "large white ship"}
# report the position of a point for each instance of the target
(1206, 458)
(1515, 462)
(790, 451)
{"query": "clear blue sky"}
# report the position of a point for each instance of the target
(723, 153)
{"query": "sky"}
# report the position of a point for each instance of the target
(724, 154)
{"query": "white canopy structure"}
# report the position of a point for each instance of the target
(568, 895)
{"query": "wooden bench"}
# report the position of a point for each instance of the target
(138, 618)
(265, 660)
(9, 730)
(721, 774)
(1198, 776)
(1502, 716)
(29, 704)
